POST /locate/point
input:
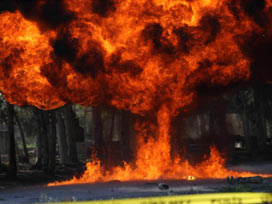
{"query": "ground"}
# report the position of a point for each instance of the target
(20, 192)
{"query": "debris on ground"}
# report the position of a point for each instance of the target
(245, 180)
(163, 186)
(171, 192)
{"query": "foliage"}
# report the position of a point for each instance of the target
(3, 110)
(267, 188)
(28, 120)
(236, 188)
(46, 199)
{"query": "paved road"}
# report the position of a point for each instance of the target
(115, 189)
(109, 190)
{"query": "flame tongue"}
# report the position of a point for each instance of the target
(145, 56)
(153, 156)
(23, 53)
(134, 55)
(153, 159)
(154, 162)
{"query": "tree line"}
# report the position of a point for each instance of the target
(57, 132)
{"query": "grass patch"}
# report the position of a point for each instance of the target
(46, 199)
(236, 188)
(267, 188)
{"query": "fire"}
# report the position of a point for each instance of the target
(150, 57)
(23, 53)
(154, 162)
(134, 55)
(191, 178)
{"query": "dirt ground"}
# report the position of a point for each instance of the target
(36, 191)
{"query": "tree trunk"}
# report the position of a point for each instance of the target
(45, 128)
(261, 121)
(246, 120)
(98, 132)
(219, 132)
(26, 156)
(71, 133)
(178, 141)
(62, 138)
(109, 127)
(42, 140)
(52, 142)
(38, 148)
(244, 114)
(12, 167)
(125, 135)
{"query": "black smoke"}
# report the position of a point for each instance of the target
(7, 5)
(103, 7)
(49, 15)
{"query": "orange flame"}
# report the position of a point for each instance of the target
(154, 162)
(190, 178)
(136, 55)
(144, 56)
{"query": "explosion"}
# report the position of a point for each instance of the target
(154, 162)
(150, 57)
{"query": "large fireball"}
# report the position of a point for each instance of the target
(144, 56)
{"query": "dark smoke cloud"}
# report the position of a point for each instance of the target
(153, 32)
(90, 63)
(211, 25)
(128, 66)
(11, 59)
(65, 46)
(7, 5)
(184, 39)
(256, 45)
(54, 15)
(103, 7)
(50, 15)
(254, 9)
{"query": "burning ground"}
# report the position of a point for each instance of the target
(152, 58)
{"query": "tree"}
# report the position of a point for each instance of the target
(52, 142)
(62, 137)
(12, 167)
(26, 156)
(254, 106)
(70, 132)
(125, 135)
(42, 140)
(98, 132)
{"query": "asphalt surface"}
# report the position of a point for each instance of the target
(116, 189)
